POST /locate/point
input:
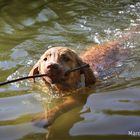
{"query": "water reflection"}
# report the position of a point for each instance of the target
(109, 113)
(18, 106)
(19, 131)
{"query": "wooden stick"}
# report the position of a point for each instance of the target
(22, 78)
(77, 68)
(41, 75)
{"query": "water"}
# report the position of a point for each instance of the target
(28, 28)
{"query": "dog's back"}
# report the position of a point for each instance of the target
(103, 57)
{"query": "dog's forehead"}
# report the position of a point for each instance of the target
(52, 50)
(58, 50)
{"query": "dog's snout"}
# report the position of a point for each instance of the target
(53, 66)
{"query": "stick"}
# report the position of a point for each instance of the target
(72, 70)
(22, 78)
(40, 75)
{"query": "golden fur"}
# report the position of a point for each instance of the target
(64, 59)
(61, 59)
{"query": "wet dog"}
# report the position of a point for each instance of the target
(57, 60)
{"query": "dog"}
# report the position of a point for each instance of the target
(57, 60)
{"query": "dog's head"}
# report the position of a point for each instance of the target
(54, 63)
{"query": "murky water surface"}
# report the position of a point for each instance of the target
(28, 28)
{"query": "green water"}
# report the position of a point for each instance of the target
(28, 28)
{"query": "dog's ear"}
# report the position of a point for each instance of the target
(88, 73)
(34, 70)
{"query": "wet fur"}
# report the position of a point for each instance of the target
(99, 57)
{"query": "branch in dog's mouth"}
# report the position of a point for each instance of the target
(41, 75)
(75, 69)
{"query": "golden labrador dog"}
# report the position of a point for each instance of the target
(57, 60)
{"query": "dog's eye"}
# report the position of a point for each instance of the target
(65, 58)
(45, 59)
(49, 54)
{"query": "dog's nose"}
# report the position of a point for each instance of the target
(53, 66)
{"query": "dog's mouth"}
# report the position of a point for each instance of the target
(54, 77)
(58, 76)
(50, 80)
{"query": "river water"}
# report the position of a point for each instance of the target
(28, 28)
